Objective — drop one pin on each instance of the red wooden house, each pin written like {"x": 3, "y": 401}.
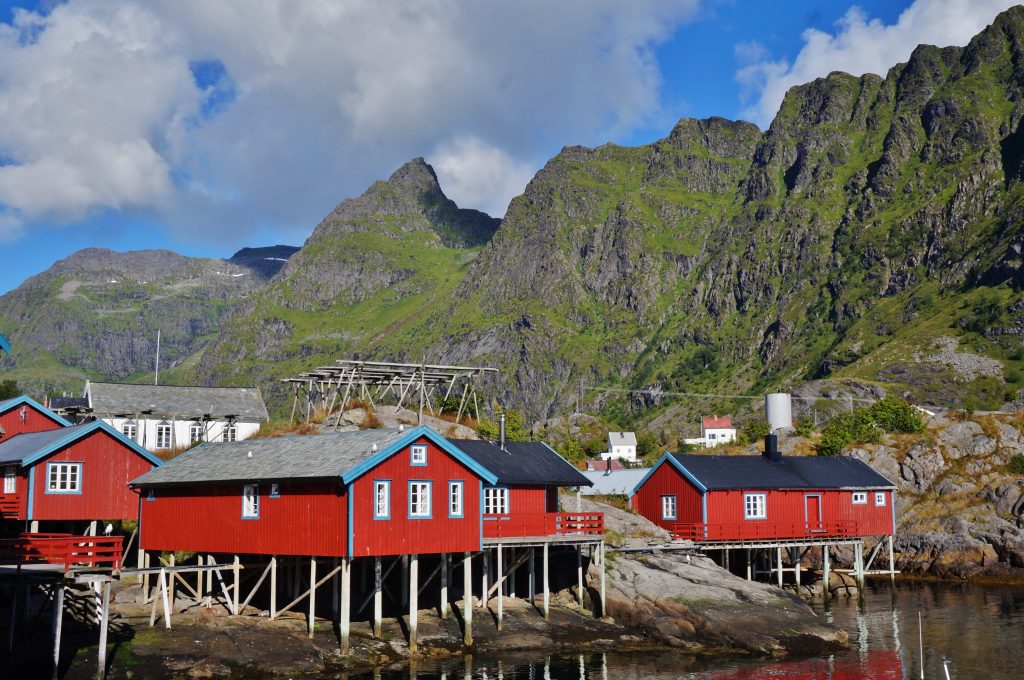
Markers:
{"x": 25, "y": 414}
{"x": 70, "y": 474}
{"x": 769, "y": 497}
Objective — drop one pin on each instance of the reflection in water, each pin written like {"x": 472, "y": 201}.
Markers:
{"x": 979, "y": 628}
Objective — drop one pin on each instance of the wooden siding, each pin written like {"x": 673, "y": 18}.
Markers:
{"x": 401, "y": 535}
{"x": 668, "y": 481}
{"x": 35, "y": 421}
{"x": 306, "y": 519}
{"x": 107, "y": 467}
{"x": 786, "y": 508}
{"x": 20, "y": 492}
{"x": 528, "y": 505}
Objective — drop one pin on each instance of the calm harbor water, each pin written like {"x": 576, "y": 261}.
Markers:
{"x": 979, "y": 628}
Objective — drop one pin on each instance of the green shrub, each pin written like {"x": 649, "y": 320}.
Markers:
{"x": 1017, "y": 464}
{"x": 515, "y": 427}
{"x": 1013, "y": 376}
{"x": 847, "y": 428}
{"x": 754, "y": 431}
{"x": 804, "y": 427}
{"x": 896, "y": 415}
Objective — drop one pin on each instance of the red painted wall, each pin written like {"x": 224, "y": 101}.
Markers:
{"x": 400, "y": 535}
{"x": 21, "y": 488}
{"x": 35, "y": 421}
{"x": 667, "y": 481}
{"x": 107, "y": 467}
{"x": 306, "y": 519}
{"x": 787, "y": 508}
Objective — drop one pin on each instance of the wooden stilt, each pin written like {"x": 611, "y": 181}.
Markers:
{"x": 444, "y": 585}
{"x": 485, "y": 572}
{"x": 405, "y": 580}
{"x": 200, "y": 578}
{"x": 170, "y": 585}
{"x": 209, "y": 581}
{"x": 335, "y": 595}
{"x": 796, "y": 568}
{"x": 58, "y": 619}
{"x": 467, "y": 598}
{"x": 512, "y": 573}
{"x": 892, "y": 561}
{"x": 273, "y": 587}
{"x": 144, "y": 562}
{"x": 101, "y": 672}
{"x": 238, "y": 579}
{"x": 414, "y": 595}
{"x": 858, "y": 553}
{"x": 827, "y": 592}
{"x": 312, "y": 595}
{"x": 750, "y": 565}
{"x": 346, "y": 598}
{"x": 163, "y": 597}
{"x": 501, "y": 588}
{"x": 547, "y": 593}
{"x": 378, "y": 600}
{"x": 579, "y": 575}
{"x": 778, "y": 566}
{"x": 531, "y": 577}
{"x": 600, "y": 572}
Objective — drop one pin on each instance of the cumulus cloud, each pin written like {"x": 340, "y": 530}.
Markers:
{"x": 245, "y": 113}
{"x": 859, "y": 45}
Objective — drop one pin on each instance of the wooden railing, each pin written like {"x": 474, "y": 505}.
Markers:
{"x": 543, "y": 524}
{"x": 10, "y": 506}
{"x": 65, "y": 549}
{"x": 761, "y": 530}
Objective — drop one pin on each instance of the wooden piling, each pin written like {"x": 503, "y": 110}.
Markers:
{"x": 378, "y": 602}
{"x": 58, "y": 619}
{"x": 501, "y": 588}
{"x": 467, "y": 598}
{"x": 104, "y": 625}
{"x": 344, "y": 615}
{"x": 444, "y": 585}
{"x": 273, "y": 587}
{"x": 414, "y": 594}
{"x": 547, "y": 593}
{"x": 312, "y": 596}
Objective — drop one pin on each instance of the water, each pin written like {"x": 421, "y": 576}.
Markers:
{"x": 980, "y": 628}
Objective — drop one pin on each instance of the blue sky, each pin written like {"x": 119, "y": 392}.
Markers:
{"x": 202, "y": 128}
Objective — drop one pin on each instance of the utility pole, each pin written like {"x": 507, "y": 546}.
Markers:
{"x": 156, "y": 377}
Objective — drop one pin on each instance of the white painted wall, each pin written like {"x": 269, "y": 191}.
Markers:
{"x": 145, "y": 434}
{"x": 623, "y": 452}
{"x": 716, "y": 436}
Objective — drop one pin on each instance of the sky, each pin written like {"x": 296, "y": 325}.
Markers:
{"x": 204, "y": 127}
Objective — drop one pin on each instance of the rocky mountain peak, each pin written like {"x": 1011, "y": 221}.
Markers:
{"x": 416, "y": 173}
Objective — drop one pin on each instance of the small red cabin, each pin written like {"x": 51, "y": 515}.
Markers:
{"x": 358, "y": 494}
{"x": 711, "y": 499}
{"x": 71, "y": 474}
{"x": 25, "y": 414}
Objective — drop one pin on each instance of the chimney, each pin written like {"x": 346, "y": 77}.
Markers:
{"x": 501, "y": 431}
{"x": 608, "y": 469}
{"x": 771, "y": 448}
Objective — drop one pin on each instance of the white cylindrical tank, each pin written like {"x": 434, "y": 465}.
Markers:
{"x": 778, "y": 410}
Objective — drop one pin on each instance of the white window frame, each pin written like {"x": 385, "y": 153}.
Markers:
{"x": 164, "y": 428}
{"x": 666, "y": 501}
{"x": 860, "y": 498}
{"x": 10, "y": 479}
{"x": 250, "y": 501}
{"x": 195, "y": 433}
{"x": 880, "y": 499}
{"x": 130, "y": 429}
{"x": 755, "y": 506}
{"x": 382, "y": 499}
{"x": 64, "y": 478}
{"x": 418, "y": 454}
{"x": 496, "y": 500}
{"x": 420, "y": 499}
{"x": 456, "y": 499}
{"x": 230, "y": 433}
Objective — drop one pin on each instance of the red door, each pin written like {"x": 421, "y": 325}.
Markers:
{"x": 812, "y": 512}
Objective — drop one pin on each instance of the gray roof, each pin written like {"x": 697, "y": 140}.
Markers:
{"x": 173, "y": 401}
{"x": 313, "y": 456}
{"x": 616, "y": 482}
{"x": 20, "y": 446}
{"x": 622, "y": 438}
{"x": 522, "y": 462}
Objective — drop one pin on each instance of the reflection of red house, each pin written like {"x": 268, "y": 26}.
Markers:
{"x": 732, "y": 498}
{"x": 877, "y": 665}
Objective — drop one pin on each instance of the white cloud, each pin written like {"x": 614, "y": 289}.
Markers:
{"x": 319, "y": 98}
{"x": 859, "y": 45}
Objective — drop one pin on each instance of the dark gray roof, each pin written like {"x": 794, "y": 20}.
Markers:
{"x": 20, "y": 446}
{"x": 173, "y": 401}
{"x": 522, "y": 463}
{"x": 63, "y": 403}
{"x": 313, "y": 456}
{"x": 792, "y": 472}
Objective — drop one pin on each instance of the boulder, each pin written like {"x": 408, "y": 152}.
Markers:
{"x": 922, "y": 465}
{"x": 966, "y": 438}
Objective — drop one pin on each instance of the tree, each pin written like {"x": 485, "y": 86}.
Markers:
{"x": 515, "y": 427}
{"x": 9, "y": 389}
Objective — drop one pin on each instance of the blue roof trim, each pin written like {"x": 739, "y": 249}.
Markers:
{"x": 87, "y": 430}
{"x": 6, "y": 406}
{"x": 5, "y": 344}
{"x": 414, "y": 434}
{"x": 678, "y": 466}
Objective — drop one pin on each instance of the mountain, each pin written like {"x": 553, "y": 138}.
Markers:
{"x": 95, "y": 314}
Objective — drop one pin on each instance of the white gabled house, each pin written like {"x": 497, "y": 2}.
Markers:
{"x": 621, "y": 445}
{"x": 713, "y": 432}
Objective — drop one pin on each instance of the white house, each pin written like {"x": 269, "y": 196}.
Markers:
{"x": 173, "y": 417}
{"x": 621, "y": 445}
{"x": 714, "y": 431}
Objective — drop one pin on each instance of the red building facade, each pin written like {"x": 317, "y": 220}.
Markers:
{"x": 24, "y": 414}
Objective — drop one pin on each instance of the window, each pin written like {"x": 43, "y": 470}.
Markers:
{"x": 275, "y": 491}
{"x": 418, "y": 454}
{"x": 495, "y": 501}
{"x": 860, "y": 497}
{"x": 419, "y": 500}
{"x": 230, "y": 432}
{"x": 250, "y": 502}
{"x": 879, "y": 498}
{"x": 455, "y": 499}
{"x": 64, "y": 478}
{"x": 754, "y": 506}
{"x": 163, "y": 436}
{"x": 712, "y": 436}
{"x": 130, "y": 429}
{"x": 195, "y": 433}
{"x": 10, "y": 480}
{"x": 382, "y": 499}
{"x": 668, "y": 507}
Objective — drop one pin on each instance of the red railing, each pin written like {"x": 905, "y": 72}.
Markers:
{"x": 543, "y": 524}
{"x": 760, "y": 530}
{"x": 10, "y": 506}
{"x": 65, "y": 549}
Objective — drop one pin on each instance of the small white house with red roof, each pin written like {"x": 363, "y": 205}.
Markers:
{"x": 714, "y": 431}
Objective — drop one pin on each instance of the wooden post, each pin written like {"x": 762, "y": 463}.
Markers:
{"x": 827, "y": 592}
{"x": 778, "y": 565}
{"x": 601, "y": 574}
{"x": 859, "y": 556}
{"x": 579, "y": 575}
{"x": 501, "y": 588}
{"x": 444, "y": 585}
{"x": 484, "y": 572}
{"x": 531, "y": 577}
{"x": 547, "y": 595}
{"x": 163, "y": 597}
{"x": 414, "y": 595}
{"x": 104, "y": 624}
{"x": 796, "y": 568}
{"x": 312, "y": 594}
{"x": 467, "y": 597}
{"x": 335, "y": 595}
{"x": 209, "y": 580}
{"x": 346, "y": 596}
{"x": 750, "y": 565}
{"x": 238, "y": 579}
{"x": 405, "y": 580}
{"x": 512, "y": 573}
{"x": 58, "y": 619}
{"x": 892, "y": 562}
{"x": 273, "y": 587}
{"x": 170, "y": 585}
{"x": 378, "y": 603}
{"x": 200, "y": 579}
{"x": 92, "y": 529}
{"x": 144, "y": 563}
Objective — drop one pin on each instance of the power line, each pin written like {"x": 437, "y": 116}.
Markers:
{"x": 717, "y": 396}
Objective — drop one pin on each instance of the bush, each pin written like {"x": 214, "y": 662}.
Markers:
{"x": 754, "y": 431}
{"x": 896, "y": 415}
{"x": 1017, "y": 464}
{"x": 515, "y": 427}
{"x": 804, "y": 427}
{"x": 847, "y": 428}
{"x": 571, "y": 450}
{"x": 9, "y": 389}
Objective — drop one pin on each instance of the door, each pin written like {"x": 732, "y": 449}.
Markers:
{"x": 812, "y": 513}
